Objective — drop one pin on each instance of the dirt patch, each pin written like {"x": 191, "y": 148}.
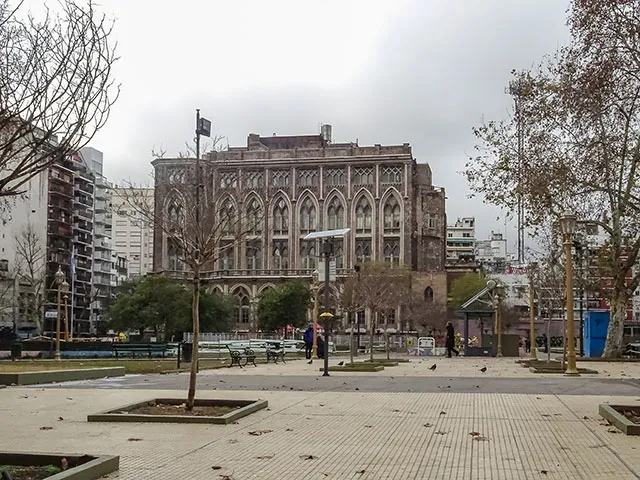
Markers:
{"x": 153, "y": 408}
{"x": 30, "y": 473}
{"x": 630, "y": 413}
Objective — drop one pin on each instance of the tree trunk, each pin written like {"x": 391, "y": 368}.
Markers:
{"x": 350, "y": 337}
{"x": 373, "y": 327}
{"x": 195, "y": 313}
{"x": 613, "y": 347}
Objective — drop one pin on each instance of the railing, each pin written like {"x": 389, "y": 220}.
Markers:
{"x": 217, "y": 274}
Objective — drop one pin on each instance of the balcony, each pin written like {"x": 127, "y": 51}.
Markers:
{"x": 84, "y": 226}
{"x": 83, "y": 264}
{"x": 83, "y": 239}
{"x": 60, "y": 230}
{"x": 84, "y": 213}
{"x": 101, "y": 206}
{"x": 64, "y": 190}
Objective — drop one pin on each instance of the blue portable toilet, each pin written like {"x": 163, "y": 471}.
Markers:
{"x": 596, "y": 324}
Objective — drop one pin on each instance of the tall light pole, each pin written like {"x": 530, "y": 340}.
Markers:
{"x": 316, "y": 312}
{"x": 533, "y": 355}
{"x": 568, "y": 226}
{"x": 497, "y": 292}
{"x": 63, "y": 287}
{"x": 500, "y": 293}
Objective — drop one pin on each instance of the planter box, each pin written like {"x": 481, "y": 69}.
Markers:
{"x": 360, "y": 367}
{"x": 81, "y": 467}
{"x": 558, "y": 370}
{"x": 56, "y": 376}
{"x": 246, "y": 407}
{"x": 384, "y": 363}
{"x": 391, "y": 360}
{"x": 622, "y": 423}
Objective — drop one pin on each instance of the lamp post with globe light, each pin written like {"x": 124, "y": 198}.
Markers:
{"x": 568, "y": 225}
{"x": 63, "y": 287}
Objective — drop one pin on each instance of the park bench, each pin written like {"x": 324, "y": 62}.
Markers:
{"x": 274, "y": 353}
{"x": 633, "y": 349}
{"x": 238, "y": 354}
{"x": 141, "y": 348}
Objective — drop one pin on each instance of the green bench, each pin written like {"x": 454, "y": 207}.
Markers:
{"x": 144, "y": 349}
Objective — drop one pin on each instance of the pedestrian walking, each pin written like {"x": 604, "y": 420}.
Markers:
{"x": 320, "y": 347}
{"x": 308, "y": 341}
{"x": 450, "y": 341}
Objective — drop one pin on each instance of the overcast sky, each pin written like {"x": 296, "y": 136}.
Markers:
{"x": 388, "y": 72}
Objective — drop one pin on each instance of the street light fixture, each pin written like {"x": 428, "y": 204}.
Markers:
{"x": 497, "y": 292}
{"x": 60, "y": 282}
{"x": 568, "y": 225}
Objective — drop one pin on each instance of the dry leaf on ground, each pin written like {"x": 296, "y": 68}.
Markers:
{"x": 307, "y": 457}
{"x": 46, "y": 428}
{"x": 257, "y": 433}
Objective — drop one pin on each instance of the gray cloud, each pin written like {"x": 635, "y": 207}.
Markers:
{"x": 437, "y": 68}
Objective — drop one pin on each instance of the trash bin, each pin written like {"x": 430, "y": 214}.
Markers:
{"x": 187, "y": 352}
{"x": 16, "y": 350}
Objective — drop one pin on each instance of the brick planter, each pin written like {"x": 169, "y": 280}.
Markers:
{"x": 246, "y": 407}
{"x": 81, "y": 467}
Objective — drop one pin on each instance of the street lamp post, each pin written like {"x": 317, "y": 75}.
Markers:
{"x": 316, "y": 312}
{"x": 497, "y": 292}
{"x": 532, "y": 316}
{"x": 500, "y": 292}
{"x": 62, "y": 284}
{"x": 568, "y": 225}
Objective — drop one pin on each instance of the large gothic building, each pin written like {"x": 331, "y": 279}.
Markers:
{"x": 302, "y": 184}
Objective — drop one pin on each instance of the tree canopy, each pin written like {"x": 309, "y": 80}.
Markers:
{"x": 287, "y": 304}
{"x": 465, "y": 287}
{"x": 164, "y": 305}
{"x": 574, "y": 142}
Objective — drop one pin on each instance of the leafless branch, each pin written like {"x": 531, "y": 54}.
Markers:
{"x": 56, "y": 86}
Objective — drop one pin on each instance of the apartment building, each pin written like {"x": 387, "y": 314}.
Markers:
{"x": 132, "y": 235}
{"x": 461, "y": 238}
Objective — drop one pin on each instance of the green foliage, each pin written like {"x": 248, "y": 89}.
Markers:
{"x": 287, "y": 304}
{"x": 465, "y": 287}
{"x": 164, "y": 305}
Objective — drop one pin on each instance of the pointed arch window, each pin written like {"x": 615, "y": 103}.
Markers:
{"x": 280, "y": 256}
{"x": 363, "y": 215}
{"x": 392, "y": 253}
{"x": 227, "y": 218}
{"x": 174, "y": 213}
{"x": 308, "y": 255}
{"x": 227, "y": 257}
{"x": 335, "y": 214}
{"x": 307, "y": 216}
{"x": 281, "y": 218}
{"x": 339, "y": 253}
{"x": 243, "y": 307}
{"x": 363, "y": 251}
{"x": 428, "y": 295}
{"x": 391, "y": 215}
{"x": 254, "y": 224}
{"x": 174, "y": 253}
{"x": 254, "y": 256}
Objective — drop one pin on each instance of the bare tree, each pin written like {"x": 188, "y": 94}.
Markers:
{"x": 22, "y": 291}
{"x": 56, "y": 86}
{"x": 197, "y": 232}
{"x": 381, "y": 288}
{"x": 579, "y": 121}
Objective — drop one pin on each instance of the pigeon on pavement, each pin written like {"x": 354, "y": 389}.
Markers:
{"x": 483, "y": 369}
{"x": 341, "y": 363}
{"x": 310, "y": 362}
{"x": 433, "y": 367}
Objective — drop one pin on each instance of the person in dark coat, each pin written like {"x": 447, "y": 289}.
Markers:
{"x": 320, "y": 346}
{"x": 450, "y": 340}
{"x": 308, "y": 342}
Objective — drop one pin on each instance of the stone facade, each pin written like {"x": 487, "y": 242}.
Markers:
{"x": 302, "y": 184}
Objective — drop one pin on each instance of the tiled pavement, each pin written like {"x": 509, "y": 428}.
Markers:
{"x": 383, "y": 435}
